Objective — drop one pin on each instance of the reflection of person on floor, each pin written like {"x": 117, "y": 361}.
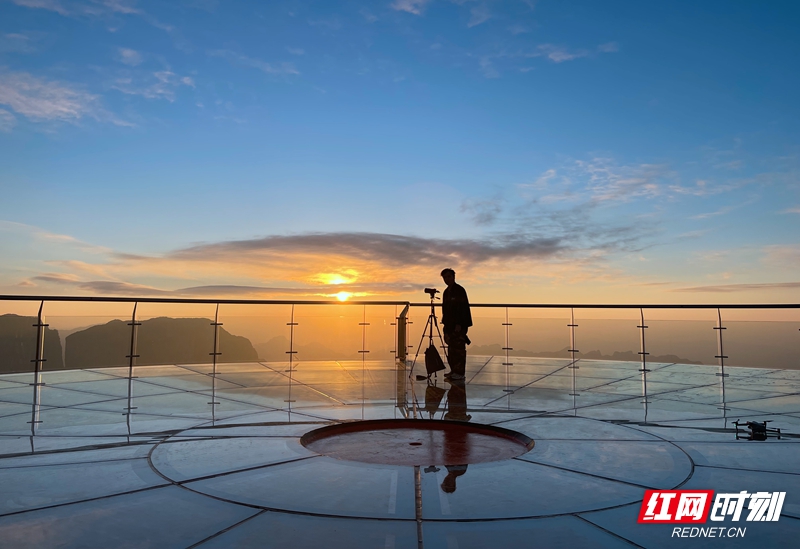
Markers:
{"x": 453, "y": 471}
{"x": 456, "y": 441}
{"x": 456, "y": 320}
{"x": 457, "y": 401}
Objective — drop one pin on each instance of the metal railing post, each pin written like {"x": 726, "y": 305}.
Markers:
{"x": 363, "y": 353}
{"x": 643, "y": 353}
{"x": 132, "y": 356}
{"x": 401, "y": 346}
{"x": 572, "y": 350}
{"x": 507, "y": 363}
{"x": 402, "y": 334}
{"x": 214, "y": 354}
{"x": 721, "y": 356}
{"x": 37, "y": 370}
{"x": 291, "y": 352}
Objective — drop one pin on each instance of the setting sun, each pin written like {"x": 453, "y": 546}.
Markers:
{"x": 342, "y": 296}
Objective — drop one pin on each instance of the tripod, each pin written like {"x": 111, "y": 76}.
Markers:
{"x": 429, "y": 327}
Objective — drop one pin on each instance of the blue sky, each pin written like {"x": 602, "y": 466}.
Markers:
{"x": 549, "y": 151}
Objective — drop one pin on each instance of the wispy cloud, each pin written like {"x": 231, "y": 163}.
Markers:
{"x": 483, "y": 212}
{"x": 156, "y": 85}
{"x": 487, "y": 67}
{"x": 106, "y": 10}
{"x": 729, "y": 288}
{"x": 87, "y": 8}
{"x": 368, "y": 16}
{"x": 609, "y": 181}
{"x": 50, "y": 5}
{"x": 478, "y": 15}
{"x": 296, "y": 51}
{"x": 19, "y": 42}
{"x": 42, "y": 100}
{"x": 411, "y": 6}
{"x": 558, "y": 54}
{"x": 725, "y": 209}
{"x": 795, "y": 210}
{"x": 722, "y": 211}
{"x": 608, "y": 47}
{"x": 41, "y": 234}
{"x": 129, "y": 56}
{"x": 263, "y": 66}
{"x": 7, "y": 121}
{"x": 386, "y": 249}
{"x": 782, "y": 256}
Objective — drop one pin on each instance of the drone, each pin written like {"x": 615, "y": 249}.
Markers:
{"x": 756, "y": 430}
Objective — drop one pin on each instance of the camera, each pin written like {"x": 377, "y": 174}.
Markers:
{"x": 431, "y": 291}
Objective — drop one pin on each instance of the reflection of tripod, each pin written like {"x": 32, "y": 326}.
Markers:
{"x": 429, "y": 326}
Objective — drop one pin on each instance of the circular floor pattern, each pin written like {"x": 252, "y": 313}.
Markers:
{"x": 417, "y": 442}
{"x": 267, "y": 466}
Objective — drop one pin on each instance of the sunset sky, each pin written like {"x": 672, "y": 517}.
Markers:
{"x": 548, "y": 151}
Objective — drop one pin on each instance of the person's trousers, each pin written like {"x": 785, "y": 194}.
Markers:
{"x": 456, "y": 351}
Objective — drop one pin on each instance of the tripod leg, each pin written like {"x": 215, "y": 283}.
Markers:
{"x": 439, "y": 332}
{"x": 421, "y": 339}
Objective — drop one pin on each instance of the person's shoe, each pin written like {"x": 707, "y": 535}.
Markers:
{"x": 455, "y": 377}
{"x": 447, "y": 375}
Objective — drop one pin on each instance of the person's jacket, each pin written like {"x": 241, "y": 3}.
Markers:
{"x": 455, "y": 308}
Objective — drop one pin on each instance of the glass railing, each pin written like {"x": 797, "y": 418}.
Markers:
{"x": 82, "y": 360}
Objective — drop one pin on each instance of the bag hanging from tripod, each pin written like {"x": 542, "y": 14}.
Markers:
{"x": 433, "y": 361}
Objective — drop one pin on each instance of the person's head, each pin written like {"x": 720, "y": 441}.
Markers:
{"x": 449, "y": 276}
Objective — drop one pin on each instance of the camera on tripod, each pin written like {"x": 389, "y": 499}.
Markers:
{"x": 431, "y": 291}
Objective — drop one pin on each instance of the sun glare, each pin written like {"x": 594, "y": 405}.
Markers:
{"x": 342, "y": 296}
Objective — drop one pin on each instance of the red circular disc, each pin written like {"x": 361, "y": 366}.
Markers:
{"x": 417, "y": 442}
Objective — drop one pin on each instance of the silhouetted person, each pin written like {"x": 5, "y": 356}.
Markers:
{"x": 456, "y": 320}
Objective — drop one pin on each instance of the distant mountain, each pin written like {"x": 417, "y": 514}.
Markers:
{"x": 275, "y": 349}
{"x": 18, "y": 345}
{"x": 626, "y": 356}
{"x": 159, "y": 341}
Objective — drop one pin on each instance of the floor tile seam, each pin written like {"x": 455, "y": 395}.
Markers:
{"x": 228, "y": 529}
{"x": 88, "y": 448}
{"x": 748, "y": 470}
{"x": 235, "y": 471}
{"x": 479, "y": 370}
{"x": 634, "y": 484}
{"x": 25, "y": 413}
{"x": 602, "y": 440}
{"x": 303, "y": 384}
{"x": 85, "y": 500}
{"x": 180, "y": 390}
{"x": 208, "y": 374}
{"x": 69, "y": 463}
{"x": 345, "y": 370}
{"x": 202, "y": 393}
{"x": 50, "y": 407}
{"x": 265, "y": 424}
{"x": 621, "y": 400}
{"x": 611, "y": 532}
{"x": 765, "y": 398}
{"x": 532, "y": 382}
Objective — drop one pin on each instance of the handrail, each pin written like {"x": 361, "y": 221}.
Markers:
{"x": 112, "y": 299}
{"x": 107, "y": 299}
{"x": 623, "y": 306}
